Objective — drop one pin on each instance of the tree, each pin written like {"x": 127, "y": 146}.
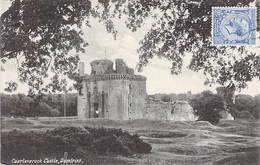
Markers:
{"x": 166, "y": 98}
{"x": 71, "y": 104}
{"x": 206, "y": 106}
{"x": 186, "y": 30}
{"x": 24, "y": 106}
{"x": 8, "y": 105}
{"x": 41, "y": 33}
{"x": 183, "y": 96}
{"x": 44, "y": 109}
{"x": 245, "y": 105}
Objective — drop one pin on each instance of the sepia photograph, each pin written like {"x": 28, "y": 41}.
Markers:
{"x": 130, "y": 82}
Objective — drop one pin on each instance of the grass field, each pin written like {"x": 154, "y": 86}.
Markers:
{"x": 199, "y": 143}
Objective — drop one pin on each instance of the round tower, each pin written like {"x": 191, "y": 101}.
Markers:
{"x": 227, "y": 94}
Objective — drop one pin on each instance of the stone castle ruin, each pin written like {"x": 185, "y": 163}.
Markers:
{"x": 228, "y": 95}
{"x": 120, "y": 94}
{"x": 111, "y": 94}
{"x": 177, "y": 110}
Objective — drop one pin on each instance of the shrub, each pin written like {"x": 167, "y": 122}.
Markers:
{"x": 143, "y": 147}
{"x": 132, "y": 142}
{"x": 111, "y": 144}
{"x": 77, "y": 142}
{"x": 19, "y": 145}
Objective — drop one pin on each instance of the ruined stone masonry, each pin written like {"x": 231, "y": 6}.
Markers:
{"x": 176, "y": 110}
{"x": 111, "y": 94}
{"x": 228, "y": 95}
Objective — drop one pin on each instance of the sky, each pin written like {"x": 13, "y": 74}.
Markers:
{"x": 159, "y": 79}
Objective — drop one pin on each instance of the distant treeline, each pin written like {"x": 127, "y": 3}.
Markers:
{"x": 246, "y": 106}
{"x": 21, "y": 105}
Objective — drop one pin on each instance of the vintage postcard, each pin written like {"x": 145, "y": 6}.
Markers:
{"x": 123, "y": 82}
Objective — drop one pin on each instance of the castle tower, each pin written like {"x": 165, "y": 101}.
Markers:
{"x": 227, "y": 94}
{"x": 112, "y": 94}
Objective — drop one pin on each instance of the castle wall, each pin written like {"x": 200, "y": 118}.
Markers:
{"x": 182, "y": 111}
{"x": 158, "y": 110}
{"x": 122, "y": 99}
{"x": 117, "y": 99}
{"x": 137, "y": 99}
{"x": 82, "y": 102}
{"x": 176, "y": 111}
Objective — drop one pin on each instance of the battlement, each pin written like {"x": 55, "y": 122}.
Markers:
{"x": 105, "y": 67}
{"x": 106, "y": 77}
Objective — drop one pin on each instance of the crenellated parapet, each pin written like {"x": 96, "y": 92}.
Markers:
{"x": 101, "y": 67}
{"x": 106, "y": 77}
{"x": 102, "y": 70}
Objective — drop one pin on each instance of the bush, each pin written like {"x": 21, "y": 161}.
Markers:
{"x": 111, "y": 144}
{"x": 19, "y": 145}
{"x": 143, "y": 147}
{"x": 77, "y": 142}
{"x": 207, "y": 106}
{"x": 132, "y": 142}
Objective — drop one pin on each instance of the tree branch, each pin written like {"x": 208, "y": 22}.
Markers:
{"x": 8, "y": 54}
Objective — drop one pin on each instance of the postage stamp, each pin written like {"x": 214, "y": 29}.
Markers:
{"x": 233, "y": 26}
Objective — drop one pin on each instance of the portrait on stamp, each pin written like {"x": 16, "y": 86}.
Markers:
{"x": 234, "y": 26}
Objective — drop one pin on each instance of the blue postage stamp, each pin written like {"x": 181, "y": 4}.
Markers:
{"x": 233, "y": 26}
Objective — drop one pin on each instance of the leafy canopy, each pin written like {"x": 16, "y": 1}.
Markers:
{"x": 41, "y": 34}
